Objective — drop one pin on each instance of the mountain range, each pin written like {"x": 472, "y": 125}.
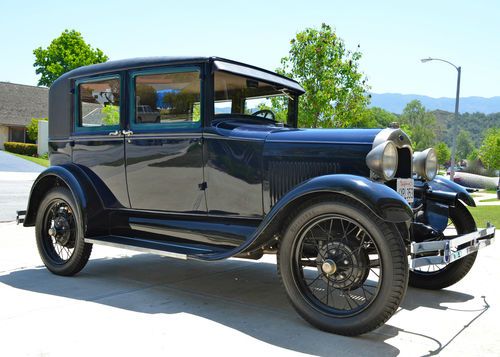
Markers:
{"x": 395, "y": 103}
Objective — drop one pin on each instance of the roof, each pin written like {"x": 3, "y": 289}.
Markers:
{"x": 19, "y": 103}
{"x": 221, "y": 63}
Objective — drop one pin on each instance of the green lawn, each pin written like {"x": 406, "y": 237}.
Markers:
{"x": 494, "y": 199}
{"x": 483, "y": 214}
{"x": 36, "y": 160}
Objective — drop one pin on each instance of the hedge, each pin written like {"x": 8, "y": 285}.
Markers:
{"x": 21, "y": 148}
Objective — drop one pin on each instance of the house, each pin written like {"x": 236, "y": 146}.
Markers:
{"x": 18, "y": 104}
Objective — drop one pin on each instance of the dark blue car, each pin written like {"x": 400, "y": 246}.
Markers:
{"x": 222, "y": 171}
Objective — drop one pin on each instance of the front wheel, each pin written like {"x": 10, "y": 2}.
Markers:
{"x": 59, "y": 235}
{"x": 440, "y": 276}
{"x": 344, "y": 269}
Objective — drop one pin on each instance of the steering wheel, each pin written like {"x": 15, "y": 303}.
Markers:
{"x": 265, "y": 113}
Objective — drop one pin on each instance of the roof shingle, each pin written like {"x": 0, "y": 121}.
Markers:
{"x": 19, "y": 103}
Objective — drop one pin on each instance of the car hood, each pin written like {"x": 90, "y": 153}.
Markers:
{"x": 338, "y": 136}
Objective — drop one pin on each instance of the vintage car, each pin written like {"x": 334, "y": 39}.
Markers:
{"x": 353, "y": 215}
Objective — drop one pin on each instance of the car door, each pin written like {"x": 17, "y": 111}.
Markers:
{"x": 164, "y": 162}
{"x": 98, "y": 143}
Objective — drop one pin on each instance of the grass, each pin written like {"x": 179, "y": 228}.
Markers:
{"x": 494, "y": 199}
{"x": 36, "y": 160}
{"x": 483, "y": 214}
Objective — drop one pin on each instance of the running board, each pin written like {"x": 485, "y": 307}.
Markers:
{"x": 166, "y": 249}
{"x": 447, "y": 251}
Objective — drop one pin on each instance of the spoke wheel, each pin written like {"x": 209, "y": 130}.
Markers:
{"x": 59, "y": 235}
{"x": 336, "y": 264}
{"x": 343, "y": 268}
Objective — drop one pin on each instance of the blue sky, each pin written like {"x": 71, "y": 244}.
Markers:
{"x": 393, "y": 35}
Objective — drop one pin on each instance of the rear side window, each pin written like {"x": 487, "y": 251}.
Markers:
{"x": 170, "y": 99}
{"x": 99, "y": 104}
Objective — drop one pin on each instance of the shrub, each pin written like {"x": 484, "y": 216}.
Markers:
{"x": 21, "y": 148}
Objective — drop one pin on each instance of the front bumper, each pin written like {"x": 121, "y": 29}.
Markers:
{"x": 449, "y": 250}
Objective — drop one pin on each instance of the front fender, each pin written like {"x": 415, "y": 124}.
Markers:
{"x": 441, "y": 183}
{"x": 379, "y": 198}
{"x": 89, "y": 205}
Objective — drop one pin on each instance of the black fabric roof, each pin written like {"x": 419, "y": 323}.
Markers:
{"x": 125, "y": 64}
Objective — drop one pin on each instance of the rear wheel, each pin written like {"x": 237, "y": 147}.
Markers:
{"x": 59, "y": 235}
{"x": 440, "y": 276}
{"x": 344, "y": 269}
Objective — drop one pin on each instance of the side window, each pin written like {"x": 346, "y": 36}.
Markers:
{"x": 172, "y": 99}
{"x": 99, "y": 104}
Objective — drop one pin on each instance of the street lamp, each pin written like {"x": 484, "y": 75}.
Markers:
{"x": 455, "y": 124}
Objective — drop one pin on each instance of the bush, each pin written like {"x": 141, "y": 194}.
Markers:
{"x": 21, "y": 148}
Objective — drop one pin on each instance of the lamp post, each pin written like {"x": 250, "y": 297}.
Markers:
{"x": 455, "y": 123}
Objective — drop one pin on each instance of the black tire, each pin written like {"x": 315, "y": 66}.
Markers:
{"x": 64, "y": 252}
{"x": 451, "y": 273}
{"x": 374, "y": 310}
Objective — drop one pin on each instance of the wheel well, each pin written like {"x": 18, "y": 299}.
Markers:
{"x": 38, "y": 193}
{"x": 286, "y": 215}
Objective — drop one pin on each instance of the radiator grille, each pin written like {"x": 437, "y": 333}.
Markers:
{"x": 284, "y": 175}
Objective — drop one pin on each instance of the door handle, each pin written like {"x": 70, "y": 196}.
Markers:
{"x": 115, "y": 133}
{"x": 127, "y": 132}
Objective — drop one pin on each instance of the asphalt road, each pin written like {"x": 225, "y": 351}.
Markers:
{"x": 142, "y": 305}
{"x": 16, "y": 178}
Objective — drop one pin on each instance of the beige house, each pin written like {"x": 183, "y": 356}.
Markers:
{"x": 18, "y": 104}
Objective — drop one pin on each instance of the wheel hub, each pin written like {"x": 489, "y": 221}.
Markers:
{"x": 60, "y": 228}
{"x": 343, "y": 264}
{"x": 329, "y": 267}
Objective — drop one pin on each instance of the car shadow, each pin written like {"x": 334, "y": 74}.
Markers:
{"x": 242, "y": 295}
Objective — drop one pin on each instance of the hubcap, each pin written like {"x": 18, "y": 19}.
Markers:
{"x": 329, "y": 267}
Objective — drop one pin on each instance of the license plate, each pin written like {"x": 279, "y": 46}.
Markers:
{"x": 405, "y": 188}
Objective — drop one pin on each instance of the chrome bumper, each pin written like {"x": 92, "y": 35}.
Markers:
{"x": 20, "y": 216}
{"x": 447, "y": 251}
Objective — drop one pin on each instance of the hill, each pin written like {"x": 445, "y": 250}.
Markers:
{"x": 395, "y": 103}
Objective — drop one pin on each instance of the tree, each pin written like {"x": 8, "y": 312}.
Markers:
{"x": 442, "y": 153}
{"x": 64, "y": 53}
{"x": 335, "y": 88}
{"x": 419, "y": 124}
{"x": 32, "y": 129}
{"x": 464, "y": 144}
{"x": 490, "y": 149}
{"x": 381, "y": 118}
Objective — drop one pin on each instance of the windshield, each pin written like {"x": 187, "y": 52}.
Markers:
{"x": 246, "y": 96}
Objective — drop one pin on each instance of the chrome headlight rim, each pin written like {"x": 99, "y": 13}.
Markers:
{"x": 425, "y": 164}
{"x": 379, "y": 157}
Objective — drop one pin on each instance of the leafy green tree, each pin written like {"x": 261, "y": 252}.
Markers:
{"x": 442, "y": 153}
{"x": 335, "y": 88}
{"x": 489, "y": 152}
{"x": 111, "y": 115}
{"x": 32, "y": 129}
{"x": 465, "y": 145}
{"x": 381, "y": 118}
{"x": 66, "y": 52}
{"x": 419, "y": 124}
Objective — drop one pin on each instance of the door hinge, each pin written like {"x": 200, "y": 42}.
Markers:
{"x": 203, "y": 186}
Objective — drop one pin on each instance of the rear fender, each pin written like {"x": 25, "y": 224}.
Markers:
{"x": 89, "y": 205}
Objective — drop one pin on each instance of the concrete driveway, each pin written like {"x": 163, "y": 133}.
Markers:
{"x": 125, "y": 304}
{"x": 16, "y": 177}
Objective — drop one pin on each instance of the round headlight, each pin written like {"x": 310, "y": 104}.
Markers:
{"x": 425, "y": 164}
{"x": 390, "y": 161}
{"x": 431, "y": 165}
{"x": 383, "y": 160}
